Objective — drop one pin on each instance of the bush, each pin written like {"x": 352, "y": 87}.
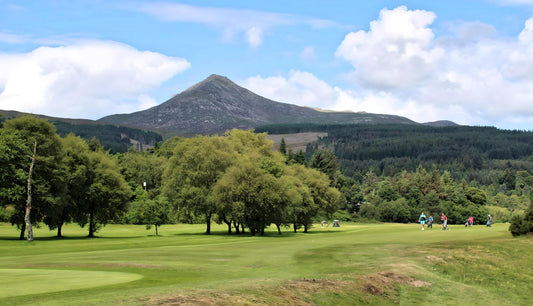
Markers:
{"x": 522, "y": 225}
{"x": 5, "y": 214}
{"x": 367, "y": 211}
{"x": 394, "y": 211}
{"x": 342, "y": 215}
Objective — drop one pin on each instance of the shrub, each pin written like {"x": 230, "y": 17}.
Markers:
{"x": 522, "y": 225}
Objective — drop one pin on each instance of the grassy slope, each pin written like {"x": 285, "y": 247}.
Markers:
{"x": 353, "y": 264}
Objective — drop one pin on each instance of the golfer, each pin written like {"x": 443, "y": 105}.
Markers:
{"x": 422, "y": 220}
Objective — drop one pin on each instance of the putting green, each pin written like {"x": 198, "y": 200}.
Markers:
{"x": 15, "y": 282}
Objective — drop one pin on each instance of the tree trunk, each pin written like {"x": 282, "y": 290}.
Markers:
{"x": 61, "y": 222}
{"x": 59, "y": 227}
{"x": 91, "y": 221}
{"x": 294, "y": 227}
{"x": 208, "y": 221}
{"x": 279, "y": 229}
{"x": 27, "y": 219}
{"x": 305, "y": 228}
{"x": 228, "y": 223}
{"x": 237, "y": 228}
{"x": 156, "y": 230}
{"x": 22, "y": 231}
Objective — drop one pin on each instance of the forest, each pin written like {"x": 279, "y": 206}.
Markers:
{"x": 410, "y": 168}
{"x": 384, "y": 173}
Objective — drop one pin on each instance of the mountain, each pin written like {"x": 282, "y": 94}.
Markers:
{"x": 217, "y": 104}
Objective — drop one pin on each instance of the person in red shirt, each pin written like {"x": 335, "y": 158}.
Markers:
{"x": 444, "y": 220}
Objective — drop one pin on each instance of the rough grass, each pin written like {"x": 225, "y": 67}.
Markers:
{"x": 353, "y": 264}
{"x": 296, "y": 141}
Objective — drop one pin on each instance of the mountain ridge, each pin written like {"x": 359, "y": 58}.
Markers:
{"x": 217, "y": 104}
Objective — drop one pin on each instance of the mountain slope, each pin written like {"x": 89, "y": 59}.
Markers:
{"x": 117, "y": 139}
{"x": 217, "y": 104}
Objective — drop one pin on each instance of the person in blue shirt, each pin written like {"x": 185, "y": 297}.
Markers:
{"x": 430, "y": 221}
{"x": 422, "y": 220}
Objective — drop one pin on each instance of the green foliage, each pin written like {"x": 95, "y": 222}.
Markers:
{"x": 75, "y": 174}
{"x": 106, "y": 192}
{"x": 283, "y": 147}
{"x": 144, "y": 210}
{"x": 5, "y": 214}
{"x": 522, "y": 224}
{"x": 195, "y": 166}
{"x": 142, "y": 169}
{"x": 471, "y": 153}
{"x": 395, "y": 211}
{"x": 325, "y": 161}
{"x": 47, "y": 187}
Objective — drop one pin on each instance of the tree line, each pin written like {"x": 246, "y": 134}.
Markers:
{"x": 236, "y": 179}
{"x": 392, "y": 172}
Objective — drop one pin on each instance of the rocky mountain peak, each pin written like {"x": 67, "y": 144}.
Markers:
{"x": 217, "y": 104}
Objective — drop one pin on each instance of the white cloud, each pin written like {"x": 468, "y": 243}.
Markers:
{"x": 300, "y": 88}
{"x": 251, "y": 23}
{"x": 305, "y": 89}
{"x": 482, "y": 77}
{"x": 397, "y": 52}
{"x": 474, "y": 77}
{"x": 87, "y": 79}
{"x": 254, "y": 36}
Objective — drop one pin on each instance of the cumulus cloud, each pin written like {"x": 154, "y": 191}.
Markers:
{"x": 471, "y": 77}
{"x": 397, "y": 52}
{"x": 87, "y": 79}
{"x": 250, "y": 23}
{"x": 484, "y": 77}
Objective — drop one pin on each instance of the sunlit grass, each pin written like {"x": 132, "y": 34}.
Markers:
{"x": 353, "y": 264}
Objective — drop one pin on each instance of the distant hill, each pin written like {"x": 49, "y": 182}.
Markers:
{"x": 111, "y": 137}
{"x": 217, "y": 104}
{"x": 440, "y": 123}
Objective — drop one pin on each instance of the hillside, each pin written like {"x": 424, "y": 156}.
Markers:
{"x": 111, "y": 137}
{"x": 217, "y": 104}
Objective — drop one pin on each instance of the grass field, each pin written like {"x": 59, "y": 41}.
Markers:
{"x": 351, "y": 265}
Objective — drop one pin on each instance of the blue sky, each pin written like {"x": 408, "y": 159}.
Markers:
{"x": 466, "y": 61}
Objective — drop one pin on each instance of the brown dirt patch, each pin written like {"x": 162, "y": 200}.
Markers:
{"x": 371, "y": 289}
{"x": 204, "y": 299}
{"x": 378, "y": 283}
{"x": 316, "y": 285}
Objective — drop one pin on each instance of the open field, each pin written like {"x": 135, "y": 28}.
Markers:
{"x": 351, "y": 265}
{"x": 296, "y": 141}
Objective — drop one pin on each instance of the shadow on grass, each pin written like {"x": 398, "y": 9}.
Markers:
{"x": 49, "y": 238}
{"x": 269, "y": 234}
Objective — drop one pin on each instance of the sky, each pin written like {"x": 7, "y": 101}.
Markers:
{"x": 470, "y": 62}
